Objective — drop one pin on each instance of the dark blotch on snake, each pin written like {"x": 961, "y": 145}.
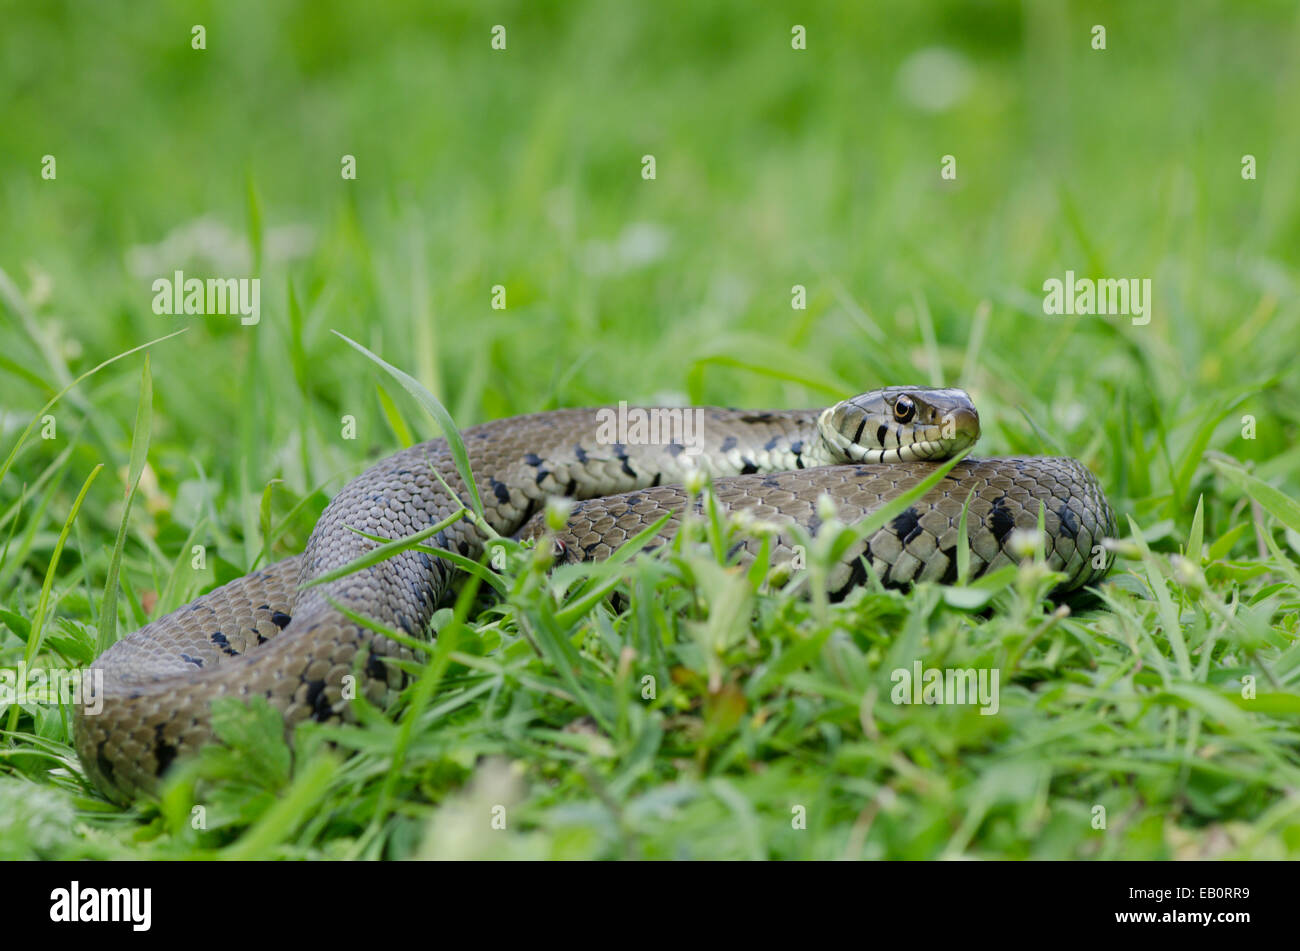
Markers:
{"x": 280, "y": 620}
{"x": 907, "y": 525}
{"x": 620, "y": 453}
{"x": 103, "y": 762}
{"x": 857, "y": 576}
{"x": 163, "y": 751}
{"x": 220, "y": 640}
{"x": 1068, "y": 523}
{"x": 1001, "y": 521}
{"x": 949, "y": 573}
{"x": 318, "y": 701}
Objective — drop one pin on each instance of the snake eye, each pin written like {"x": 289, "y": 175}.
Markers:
{"x": 904, "y": 409}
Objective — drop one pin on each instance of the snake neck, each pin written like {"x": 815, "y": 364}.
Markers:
{"x": 518, "y": 464}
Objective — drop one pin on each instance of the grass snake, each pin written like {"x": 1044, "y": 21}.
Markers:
{"x": 266, "y": 635}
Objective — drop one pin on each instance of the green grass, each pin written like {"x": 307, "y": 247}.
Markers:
{"x": 774, "y": 168}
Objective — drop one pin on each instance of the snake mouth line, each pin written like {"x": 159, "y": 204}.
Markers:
{"x": 926, "y": 450}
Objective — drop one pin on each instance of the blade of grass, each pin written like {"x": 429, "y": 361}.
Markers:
{"x": 37, "y": 634}
{"x": 140, "y": 437}
{"x": 963, "y": 542}
{"x": 4, "y": 469}
{"x": 264, "y": 520}
{"x": 302, "y": 376}
{"x": 435, "y": 409}
{"x": 289, "y": 811}
{"x": 386, "y": 550}
{"x": 394, "y": 416}
{"x": 1195, "y": 538}
{"x": 1278, "y": 504}
{"x": 1164, "y": 603}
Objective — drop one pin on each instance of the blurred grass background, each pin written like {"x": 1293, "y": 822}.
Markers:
{"x": 775, "y": 168}
{"x": 522, "y": 167}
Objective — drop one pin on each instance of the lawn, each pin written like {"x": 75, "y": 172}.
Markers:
{"x": 882, "y": 206}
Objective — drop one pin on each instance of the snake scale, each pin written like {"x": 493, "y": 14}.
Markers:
{"x": 266, "y": 635}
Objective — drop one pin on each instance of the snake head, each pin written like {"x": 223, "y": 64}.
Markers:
{"x": 901, "y": 424}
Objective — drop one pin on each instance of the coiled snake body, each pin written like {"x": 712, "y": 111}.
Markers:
{"x": 264, "y": 635}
